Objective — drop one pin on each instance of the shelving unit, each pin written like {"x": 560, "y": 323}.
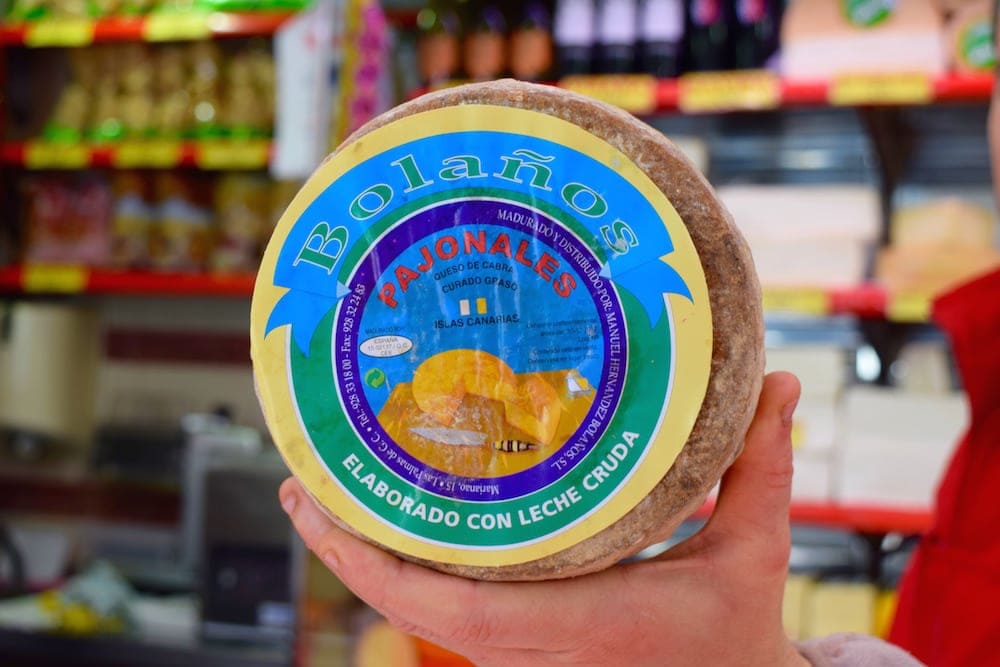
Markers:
{"x": 224, "y": 153}
{"x": 55, "y": 279}
{"x": 716, "y": 92}
{"x": 87, "y": 480}
{"x": 868, "y": 519}
{"x": 863, "y": 301}
{"x": 75, "y": 494}
{"x": 755, "y": 99}
{"x": 160, "y": 27}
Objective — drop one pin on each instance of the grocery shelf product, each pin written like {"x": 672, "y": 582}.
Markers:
{"x": 439, "y": 44}
{"x": 475, "y": 286}
{"x": 484, "y": 46}
{"x": 969, "y": 35}
{"x": 182, "y": 222}
{"x": 840, "y": 53}
{"x": 132, "y": 220}
{"x": 661, "y": 34}
{"x": 480, "y": 41}
{"x": 242, "y": 210}
{"x": 799, "y": 244}
{"x": 793, "y": 603}
{"x": 40, "y": 10}
{"x": 943, "y": 221}
{"x": 821, "y": 39}
{"x": 823, "y": 372}
{"x": 380, "y": 643}
{"x": 138, "y": 91}
{"x": 924, "y": 367}
{"x": 67, "y": 221}
{"x": 531, "y": 56}
{"x": 937, "y": 245}
{"x": 181, "y": 238}
{"x": 708, "y": 35}
{"x": 617, "y": 36}
{"x": 50, "y": 354}
{"x": 894, "y": 445}
{"x": 575, "y": 36}
{"x": 756, "y": 26}
{"x": 839, "y": 606}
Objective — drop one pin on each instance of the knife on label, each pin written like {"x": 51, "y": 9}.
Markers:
{"x": 450, "y": 436}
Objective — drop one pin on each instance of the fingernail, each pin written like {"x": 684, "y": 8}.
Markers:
{"x": 787, "y": 412}
{"x": 288, "y": 503}
{"x": 330, "y": 560}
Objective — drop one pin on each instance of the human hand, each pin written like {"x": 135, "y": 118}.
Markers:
{"x": 714, "y": 599}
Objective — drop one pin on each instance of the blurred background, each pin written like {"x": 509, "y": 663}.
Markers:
{"x": 147, "y": 148}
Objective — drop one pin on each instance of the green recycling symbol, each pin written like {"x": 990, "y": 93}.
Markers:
{"x": 375, "y": 378}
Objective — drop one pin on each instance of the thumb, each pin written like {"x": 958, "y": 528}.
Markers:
{"x": 756, "y": 490}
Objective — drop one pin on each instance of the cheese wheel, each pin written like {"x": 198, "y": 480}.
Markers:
{"x": 509, "y": 333}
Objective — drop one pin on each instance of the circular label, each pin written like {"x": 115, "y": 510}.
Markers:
{"x": 976, "y": 48}
{"x": 867, "y": 13}
{"x": 481, "y": 345}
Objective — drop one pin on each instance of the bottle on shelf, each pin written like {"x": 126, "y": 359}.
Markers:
{"x": 707, "y": 27}
{"x": 756, "y": 24}
{"x": 438, "y": 43}
{"x": 616, "y": 36}
{"x": 531, "y": 42}
{"x": 574, "y": 33}
{"x": 485, "y": 45}
{"x": 661, "y": 37}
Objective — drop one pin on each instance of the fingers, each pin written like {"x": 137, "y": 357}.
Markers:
{"x": 756, "y": 490}
{"x": 448, "y": 610}
{"x": 414, "y": 598}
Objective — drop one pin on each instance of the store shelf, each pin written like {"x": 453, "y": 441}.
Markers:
{"x": 156, "y": 154}
{"x": 53, "y": 279}
{"x": 166, "y": 27}
{"x": 861, "y": 518}
{"x": 714, "y": 92}
{"x": 865, "y": 301}
{"x": 53, "y": 492}
{"x": 402, "y": 18}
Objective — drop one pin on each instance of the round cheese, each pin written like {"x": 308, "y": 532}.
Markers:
{"x": 509, "y": 333}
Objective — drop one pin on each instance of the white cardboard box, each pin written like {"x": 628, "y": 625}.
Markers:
{"x": 813, "y": 478}
{"x": 814, "y": 429}
{"x": 822, "y": 369}
{"x": 895, "y": 444}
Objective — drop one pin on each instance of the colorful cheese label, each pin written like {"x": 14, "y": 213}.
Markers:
{"x": 480, "y": 335}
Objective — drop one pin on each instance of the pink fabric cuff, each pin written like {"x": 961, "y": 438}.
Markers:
{"x": 854, "y": 650}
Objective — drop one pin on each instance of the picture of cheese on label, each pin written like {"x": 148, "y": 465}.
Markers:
{"x": 472, "y": 415}
{"x": 535, "y": 409}
{"x": 441, "y": 382}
